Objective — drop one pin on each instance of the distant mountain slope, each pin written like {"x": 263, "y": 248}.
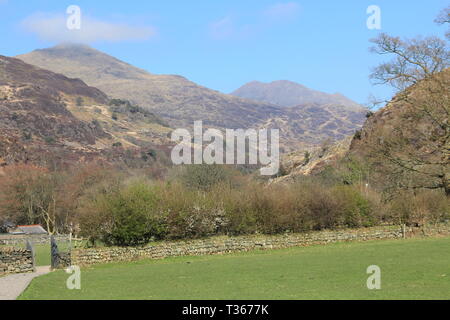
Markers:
{"x": 316, "y": 123}
{"x": 313, "y": 160}
{"x": 177, "y": 99}
{"x": 180, "y": 102}
{"x": 289, "y": 94}
{"x": 47, "y": 118}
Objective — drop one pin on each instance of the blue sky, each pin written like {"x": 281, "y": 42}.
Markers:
{"x": 223, "y": 44}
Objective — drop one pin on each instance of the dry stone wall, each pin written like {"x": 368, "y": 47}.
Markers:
{"x": 16, "y": 260}
{"x": 222, "y": 245}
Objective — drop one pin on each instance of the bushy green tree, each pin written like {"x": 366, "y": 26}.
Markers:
{"x": 128, "y": 216}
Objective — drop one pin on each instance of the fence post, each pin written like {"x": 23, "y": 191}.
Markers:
{"x": 70, "y": 237}
{"x": 404, "y": 230}
{"x": 54, "y": 253}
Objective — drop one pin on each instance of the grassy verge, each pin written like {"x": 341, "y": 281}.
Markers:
{"x": 411, "y": 269}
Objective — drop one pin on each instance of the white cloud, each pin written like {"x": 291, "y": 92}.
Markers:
{"x": 232, "y": 27}
{"x": 53, "y": 27}
{"x": 222, "y": 28}
{"x": 228, "y": 27}
{"x": 282, "y": 11}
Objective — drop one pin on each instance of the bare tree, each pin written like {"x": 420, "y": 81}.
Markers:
{"x": 414, "y": 59}
{"x": 417, "y": 147}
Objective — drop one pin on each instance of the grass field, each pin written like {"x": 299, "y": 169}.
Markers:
{"x": 410, "y": 269}
{"x": 42, "y": 253}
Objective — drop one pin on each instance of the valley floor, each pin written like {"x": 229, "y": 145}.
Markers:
{"x": 410, "y": 269}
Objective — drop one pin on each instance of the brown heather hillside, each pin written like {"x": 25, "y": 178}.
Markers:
{"x": 49, "y": 119}
{"x": 408, "y": 141}
{"x": 315, "y": 124}
{"x": 312, "y": 161}
{"x": 180, "y": 102}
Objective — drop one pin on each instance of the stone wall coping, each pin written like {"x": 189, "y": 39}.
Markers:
{"x": 13, "y": 249}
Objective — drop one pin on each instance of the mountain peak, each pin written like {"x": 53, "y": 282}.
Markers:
{"x": 274, "y": 83}
{"x": 286, "y": 93}
{"x": 287, "y": 82}
{"x": 69, "y": 49}
{"x": 83, "y": 62}
{"x": 71, "y": 45}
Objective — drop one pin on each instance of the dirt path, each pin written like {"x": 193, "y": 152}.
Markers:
{"x": 11, "y": 286}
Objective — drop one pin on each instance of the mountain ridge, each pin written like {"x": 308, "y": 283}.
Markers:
{"x": 171, "y": 96}
{"x": 180, "y": 101}
{"x": 286, "y": 93}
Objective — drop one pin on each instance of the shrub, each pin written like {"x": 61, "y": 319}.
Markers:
{"x": 321, "y": 208}
{"x": 151, "y": 153}
{"x": 79, "y": 101}
{"x": 369, "y": 114}
{"x": 219, "y": 203}
{"x": 307, "y": 158}
{"x": 420, "y": 208}
{"x": 257, "y": 210}
{"x": 191, "y": 214}
{"x": 204, "y": 176}
{"x": 49, "y": 139}
{"x": 241, "y": 218}
{"x": 355, "y": 210}
{"x": 27, "y": 135}
{"x": 126, "y": 216}
{"x": 134, "y": 220}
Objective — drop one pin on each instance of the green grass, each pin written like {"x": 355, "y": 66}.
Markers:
{"x": 411, "y": 269}
{"x": 42, "y": 254}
